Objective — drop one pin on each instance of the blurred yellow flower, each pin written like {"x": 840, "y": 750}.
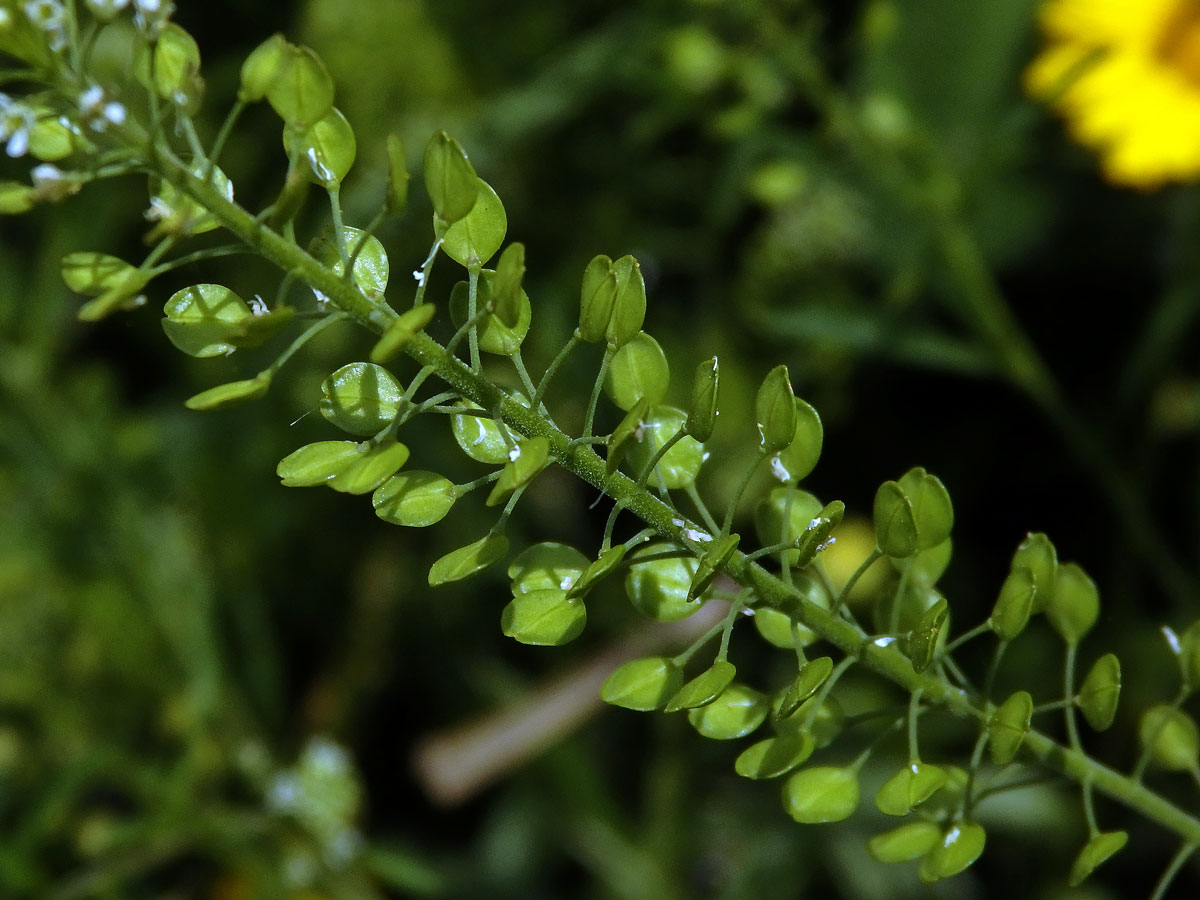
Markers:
{"x": 1126, "y": 76}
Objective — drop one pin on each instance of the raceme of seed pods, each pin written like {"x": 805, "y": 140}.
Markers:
{"x": 680, "y": 554}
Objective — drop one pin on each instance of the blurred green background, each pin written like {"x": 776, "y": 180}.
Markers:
{"x": 210, "y": 686}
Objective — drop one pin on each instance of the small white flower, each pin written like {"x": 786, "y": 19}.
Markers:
{"x": 151, "y": 15}
{"x": 51, "y": 184}
{"x": 50, "y": 17}
{"x": 114, "y": 112}
{"x": 98, "y": 111}
{"x": 16, "y": 120}
{"x": 258, "y": 306}
{"x": 159, "y": 210}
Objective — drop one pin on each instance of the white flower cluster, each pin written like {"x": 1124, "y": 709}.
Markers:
{"x": 150, "y": 16}
{"x": 51, "y": 18}
{"x": 98, "y": 111}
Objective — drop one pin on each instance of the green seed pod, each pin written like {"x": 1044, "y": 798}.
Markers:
{"x": 737, "y": 712}
{"x": 809, "y": 678}
{"x": 262, "y": 67}
{"x": 1100, "y": 692}
{"x": 397, "y": 176}
{"x": 506, "y": 285}
{"x": 371, "y": 266}
{"x": 821, "y": 794}
{"x": 547, "y": 566}
{"x": 643, "y": 684}
{"x": 1075, "y": 603}
{"x": 1010, "y": 615}
{"x": 204, "y": 320}
{"x": 327, "y": 148}
{"x": 450, "y": 178}
{"x": 906, "y": 843}
{"x": 704, "y": 688}
{"x": 474, "y": 239}
{"x": 779, "y": 628}
{"x": 596, "y": 299}
{"x": 679, "y": 466}
{"x": 1094, "y": 853}
{"x": 909, "y": 788}
{"x": 543, "y": 618}
{"x": 625, "y": 434}
{"x": 361, "y": 398}
{"x": 376, "y": 463}
{"x": 302, "y": 91}
{"x": 716, "y": 554}
{"x": 1170, "y": 737}
{"x": 946, "y": 803}
{"x": 234, "y": 392}
{"x": 175, "y": 74}
{"x": 775, "y": 411}
{"x": 702, "y": 417}
{"x": 480, "y": 437}
{"x": 819, "y": 533}
{"x": 961, "y": 845}
{"x": 637, "y": 371}
{"x": 598, "y": 570}
{"x": 932, "y": 510}
{"x": 659, "y": 588}
{"x": 920, "y": 644}
{"x": 494, "y": 336}
{"x": 774, "y": 756}
{"x": 895, "y": 524}
{"x": 398, "y": 335}
{"x": 315, "y": 464}
{"x": 466, "y": 561}
{"x": 1189, "y": 656}
{"x": 798, "y": 458}
{"x": 629, "y": 303}
{"x": 1008, "y": 726}
{"x": 1038, "y": 555}
{"x": 414, "y": 498}
{"x": 525, "y": 461}
{"x": 799, "y": 509}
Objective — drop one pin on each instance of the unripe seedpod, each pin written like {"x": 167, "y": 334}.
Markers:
{"x": 1100, "y": 692}
{"x": 909, "y": 788}
{"x": 774, "y": 756}
{"x": 1075, "y": 603}
{"x": 906, "y": 843}
{"x": 625, "y": 434}
{"x": 262, "y": 67}
{"x": 933, "y": 512}
{"x": 811, "y": 676}
{"x": 638, "y": 371}
{"x": 1011, "y": 612}
{"x": 1094, "y": 853}
{"x": 819, "y": 533}
{"x": 1008, "y": 726}
{"x": 302, "y": 92}
{"x": 450, "y": 178}
{"x": 821, "y": 794}
{"x": 960, "y": 846}
{"x": 1170, "y": 737}
{"x": 737, "y": 712}
{"x": 596, "y": 299}
{"x": 800, "y": 457}
{"x": 643, "y": 684}
{"x": 629, "y": 302}
{"x": 895, "y": 525}
{"x": 920, "y": 644}
{"x": 1038, "y": 555}
{"x": 704, "y": 688}
{"x": 397, "y": 176}
{"x": 506, "y": 285}
{"x": 702, "y": 417}
{"x": 775, "y": 411}
{"x": 543, "y": 618}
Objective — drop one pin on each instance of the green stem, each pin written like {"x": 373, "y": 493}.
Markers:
{"x": 659, "y": 454}
{"x": 1168, "y": 875}
{"x": 552, "y": 369}
{"x": 871, "y": 559}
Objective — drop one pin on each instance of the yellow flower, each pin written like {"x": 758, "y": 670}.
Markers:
{"x": 1126, "y": 76}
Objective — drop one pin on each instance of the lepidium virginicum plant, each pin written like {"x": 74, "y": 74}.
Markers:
{"x": 671, "y": 549}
